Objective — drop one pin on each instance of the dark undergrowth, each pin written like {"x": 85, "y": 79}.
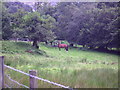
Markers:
{"x": 109, "y": 51}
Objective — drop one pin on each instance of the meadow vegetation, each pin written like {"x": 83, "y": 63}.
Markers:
{"x": 91, "y": 29}
{"x": 75, "y": 68}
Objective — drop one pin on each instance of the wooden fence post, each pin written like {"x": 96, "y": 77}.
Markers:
{"x": 33, "y": 81}
{"x": 1, "y": 72}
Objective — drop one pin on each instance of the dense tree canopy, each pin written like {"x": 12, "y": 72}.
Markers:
{"x": 39, "y": 27}
{"x": 93, "y": 25}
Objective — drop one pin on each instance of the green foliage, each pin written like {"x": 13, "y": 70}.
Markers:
{"x": 11, "y": 19}
{"x": 24, "y": 23}
{"x": 64, "y": 42}
{"x": 87, "y": 24}
{"x": 6, "y": 30}
{"x": 29, "y": 16}
{"x": 39, "y": 27}
{"x": 92, "y": 25}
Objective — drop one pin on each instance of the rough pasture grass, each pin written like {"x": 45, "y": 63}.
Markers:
{"x": 68, "y": 68}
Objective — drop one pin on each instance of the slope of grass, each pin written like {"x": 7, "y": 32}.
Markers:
{"x": 75, "y": 68}
{"x": 19, "y": 47}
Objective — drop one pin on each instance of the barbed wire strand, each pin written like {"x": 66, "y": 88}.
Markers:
{"x": 16, "y": 82}
{"x": 38, "y": 78}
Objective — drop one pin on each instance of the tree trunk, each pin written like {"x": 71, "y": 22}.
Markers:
{"x": 71, "y": 45}
{"x": 35, "y": 43}
{"x": 83, "y": 46}
{"x": 51, "y": 43}
{"x": 46, "y": 42}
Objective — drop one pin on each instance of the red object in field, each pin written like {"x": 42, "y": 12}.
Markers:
{"x": 62, "y": 45}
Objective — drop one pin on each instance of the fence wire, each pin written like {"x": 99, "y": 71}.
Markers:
{"x": 7, "y": 86}
{"x": 16, "y": 82}
{"x": 37, "y": 78}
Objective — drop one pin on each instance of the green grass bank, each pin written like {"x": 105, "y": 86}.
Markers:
{"x": 75, "y": 68}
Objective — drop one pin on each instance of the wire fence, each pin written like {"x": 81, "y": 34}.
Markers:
{"x": 45, "y": 80}
{"x": 16, "y": 81}
{"x": 7, "y": 86}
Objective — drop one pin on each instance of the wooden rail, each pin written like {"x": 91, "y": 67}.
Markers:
{"x": 32, "y": 77}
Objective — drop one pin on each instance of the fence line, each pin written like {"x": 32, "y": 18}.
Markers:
{"x": 16, "y": 82}
{"x": 7, "y": 86}
{"x": 38, "y": 78}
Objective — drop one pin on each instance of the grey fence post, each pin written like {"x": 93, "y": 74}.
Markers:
{"x": 33, "y": 81}
{"x": 1, "y": 72}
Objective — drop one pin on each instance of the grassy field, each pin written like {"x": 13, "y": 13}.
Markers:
{"x": 75, "y": 68}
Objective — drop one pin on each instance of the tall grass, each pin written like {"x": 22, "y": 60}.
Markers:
{"x": 75, "y": 68}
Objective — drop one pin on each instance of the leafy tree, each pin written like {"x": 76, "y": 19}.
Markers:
{"x": 72, "y": 18}
{"x": 93, "y": 25}
{"x": 45, "y": 8}
{"x": 6, "y": 27}
{"x": 101, "y": 27}
{"x": 39, "y": 27}
{"x": 13, "y": 7}
{"x": 11, "y": 21}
